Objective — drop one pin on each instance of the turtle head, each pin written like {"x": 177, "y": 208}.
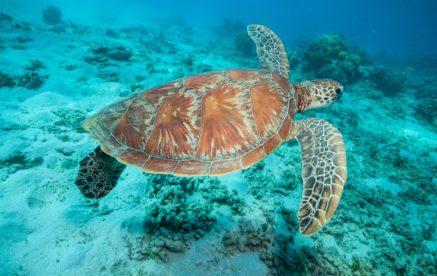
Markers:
{"x": 317, "y": 93}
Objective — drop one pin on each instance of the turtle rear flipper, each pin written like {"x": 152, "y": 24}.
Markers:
{"x": 323, "y": 173}
{"x": 98, "y": 174}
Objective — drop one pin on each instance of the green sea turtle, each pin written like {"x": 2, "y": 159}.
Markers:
{"x": 221, "y": 122}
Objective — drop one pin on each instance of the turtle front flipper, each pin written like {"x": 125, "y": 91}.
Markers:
{"x": 323, "y": 173}
{"x": 270, "y": 50}
{"x": 98, "y": 174}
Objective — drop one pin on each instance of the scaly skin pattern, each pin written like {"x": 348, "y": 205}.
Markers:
{"x": 315, "y": 93}
{"x": 323, "y": 172}
{"x": 210, "y": 124}
{"x": 270, "y": 50}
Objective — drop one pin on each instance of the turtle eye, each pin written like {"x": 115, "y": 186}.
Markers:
{"x": 338, "y": 91}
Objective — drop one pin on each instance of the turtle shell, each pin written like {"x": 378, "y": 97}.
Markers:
{"x": 210, "y": 124}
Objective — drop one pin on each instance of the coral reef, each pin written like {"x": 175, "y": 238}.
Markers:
{"x": 5, "y": 17}
{"x": 324, "y": 50}
{"x": 31, "y": 80}
{"x": 159, "y": 43}
{"x": 173, "y": 221}
{"x": 103, "y": 55}
{"x": 111, "y": 33}
{"x": 23, "y": 39}
{"x": 51, "y": 15}
{"x": 109, "y": 74}
{"x": 35, "y": 65}
{"x": 386, "y": 80}
{"x": 426, "y": 89}
{"x": 71, "y": 119}
{"x": 19, "y": 161}
{"x": 385, "y": 223}
{"x": 6, "y": 80}
{"x": 328, "y": 56}
{"x": 426, "y": 109}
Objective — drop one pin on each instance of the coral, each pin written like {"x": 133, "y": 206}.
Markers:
{"x": 19, "y": 161}
{"x": 23, "y": 26}
{"x": 173, "y": 219}
{"x": 79, "y": 28}
{"x": 386, "y": 80}
{"x": 202, "y": 67}
{"x": 160, "y": 43}
{"x": 109, "y": 75}
{"x": 248, "y": 236}
{"x": 427, "y": 89}
{"x": 111, "y": 33}
{"x": 329, "y": 57}
{"x": 30, "y": 80}
{"x": 426, "y": 108}
{"x": 102, "y": 55}
{"x": 253, "y": 235}
{"x": 23, "y": 39}
{"x": 293, "y": 59}
{"x": 71, "y": 119}
{"x": 35, "y": 65}
{"x": 120, "y": 53}
{"x": 135, "y": 30}
{"x": 136, "y": 87}
{"x": 263, "y": 185}
{"x": 6, "y": 80}
{"x": 187, "y": 61}
{"x": 349, "y": 63}
{"x": 175, "y": 214}
{"x": 70, "y": 67}
{"x": 323, "y": 50}
{"x": 58, "y": 29}
{"x": 365, "y": 59}
{"x": 332, "y": 71}
{"x": 51, "y": 15}
{"x": 214, "y": 192}
{"x": 5, "y": 17}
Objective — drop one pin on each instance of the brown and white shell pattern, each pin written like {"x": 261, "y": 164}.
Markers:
{"x": 210, "y": 124}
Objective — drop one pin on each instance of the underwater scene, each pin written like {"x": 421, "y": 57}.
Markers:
{"x": 218, "y": 137}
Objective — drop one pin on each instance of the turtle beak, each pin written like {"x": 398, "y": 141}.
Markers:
{"x": 339, "y": 91}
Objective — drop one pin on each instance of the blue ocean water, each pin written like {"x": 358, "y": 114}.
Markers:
{"x": 63, "y": 61}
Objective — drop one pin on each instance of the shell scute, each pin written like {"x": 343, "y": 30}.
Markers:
{"x": 213, "y": 123}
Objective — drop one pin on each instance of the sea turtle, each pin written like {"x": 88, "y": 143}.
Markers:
{"x": 221, "y": 122}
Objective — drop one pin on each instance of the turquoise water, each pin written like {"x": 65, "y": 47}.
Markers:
{"x": 63, "y": 63}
